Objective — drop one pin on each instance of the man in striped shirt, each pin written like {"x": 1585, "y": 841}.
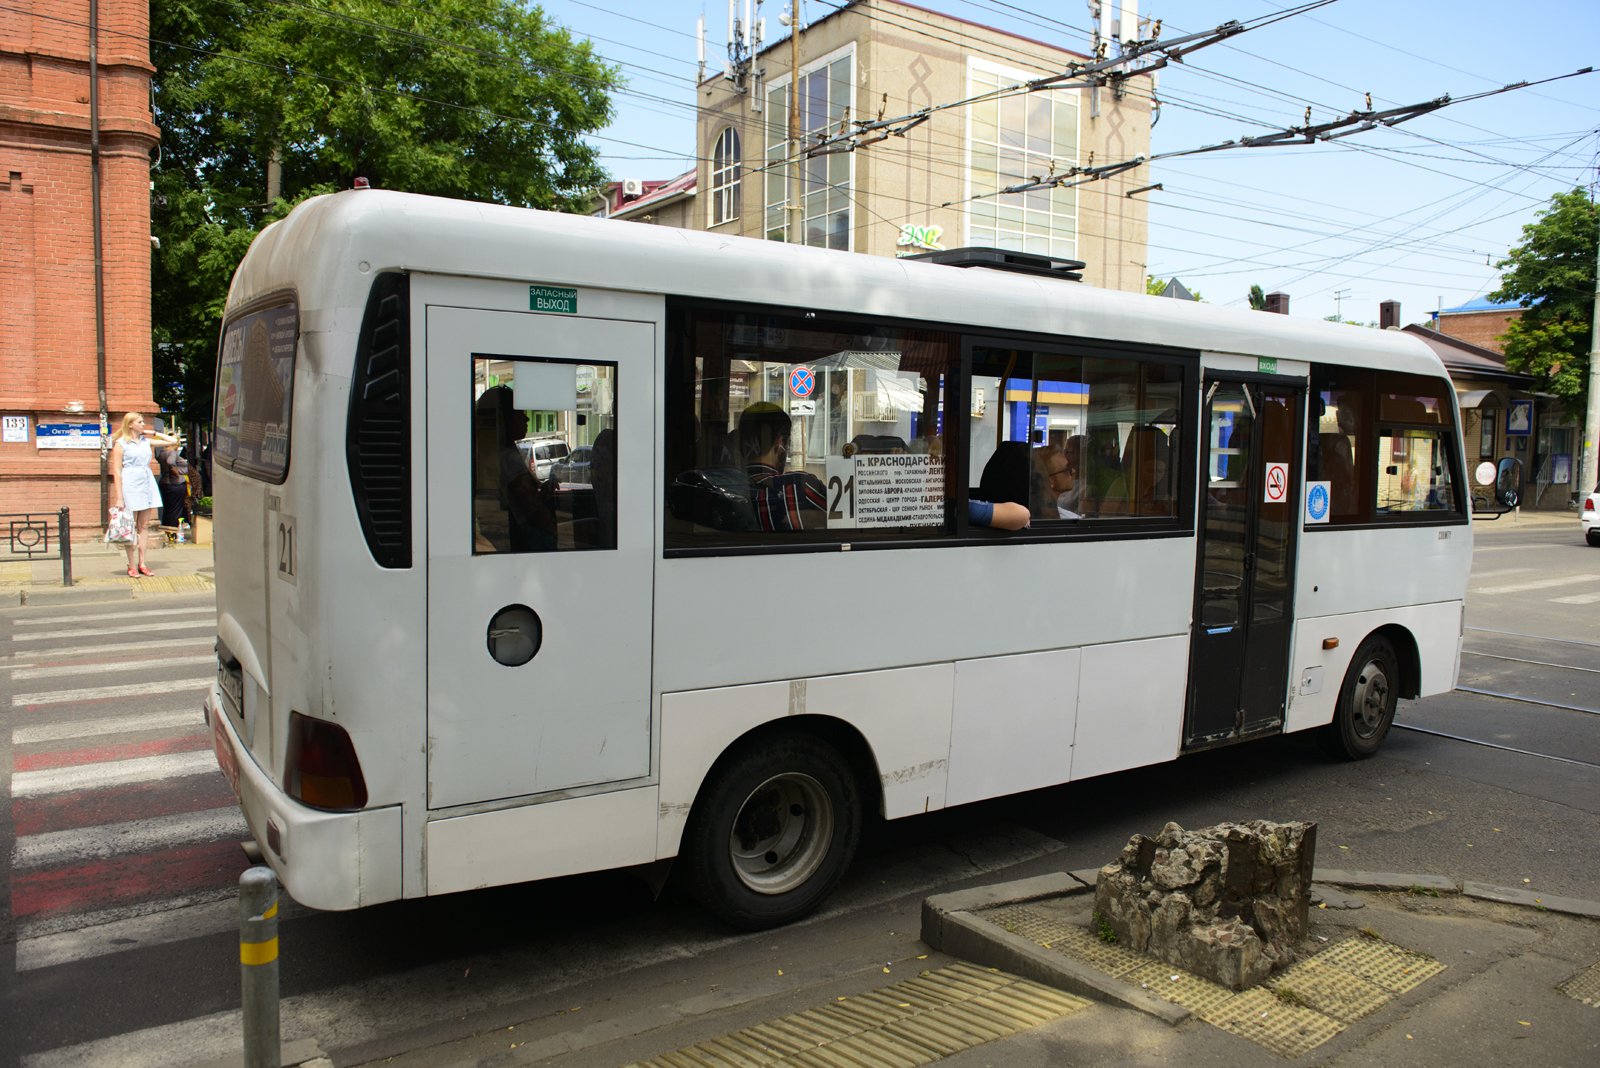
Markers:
{"x": 783, "y": 500}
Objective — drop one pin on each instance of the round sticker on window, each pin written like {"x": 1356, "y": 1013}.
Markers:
{"x": 1317, "y": 500}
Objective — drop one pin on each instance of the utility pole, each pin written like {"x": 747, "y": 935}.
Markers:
{"x": 1587, "y": 468}
{"x": 796, "y": 217}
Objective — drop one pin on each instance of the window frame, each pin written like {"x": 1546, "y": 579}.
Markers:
{"x": 276, "y": 302}
{"x": 1378, "y": 383}
{"x": 473, "y": 472}
{"x": 727, "y": 176}
{"x": 1058, "y": 245}
{"x": 776, "y": 120}
{"x": 956, "y": 531}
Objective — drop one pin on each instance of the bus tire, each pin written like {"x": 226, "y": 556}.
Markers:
{"x": 1367, "y": 701}
{"x": 773, "y": 831}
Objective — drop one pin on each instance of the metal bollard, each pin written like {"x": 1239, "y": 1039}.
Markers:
{"x": 64, "y": 538}
{"x": 258, "y": 966}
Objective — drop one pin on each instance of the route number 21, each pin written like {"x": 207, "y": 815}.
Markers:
{"x": 287, "y": 561}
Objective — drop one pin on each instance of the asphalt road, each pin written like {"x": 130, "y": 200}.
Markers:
{"x": 117, "y": 925}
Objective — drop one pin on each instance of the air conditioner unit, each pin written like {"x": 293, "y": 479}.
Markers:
{"x": 632, "y": 187}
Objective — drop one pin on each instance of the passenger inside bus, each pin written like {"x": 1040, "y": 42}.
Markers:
{"x": 1145, "y": 486}
{"x": 1001, "y": 497}
{"x": 511, "y": 511}
{"x": 1070, "y": 499}
{"x": 790, "y": 500}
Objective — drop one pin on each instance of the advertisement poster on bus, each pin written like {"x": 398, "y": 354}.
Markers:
{"x": 255, "y": 377}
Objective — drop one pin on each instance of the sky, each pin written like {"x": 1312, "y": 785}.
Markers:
{"x": 1419, "y": 213}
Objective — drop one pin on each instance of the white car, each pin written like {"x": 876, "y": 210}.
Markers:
{"x": 543, "y": 453}
{"x": 1590, "y": 517}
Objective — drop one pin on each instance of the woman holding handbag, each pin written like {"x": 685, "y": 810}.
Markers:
{"x": 133, "y": 484}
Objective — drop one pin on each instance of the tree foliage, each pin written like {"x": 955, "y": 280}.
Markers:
{"x": 477, "y": 99}
{"x": 1257, "y": 298}
{"x": 1155, "y": 287}
{"x": 1552, "y": 274}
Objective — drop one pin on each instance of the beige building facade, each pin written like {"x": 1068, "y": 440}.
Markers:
{"x": 934, "y": 185}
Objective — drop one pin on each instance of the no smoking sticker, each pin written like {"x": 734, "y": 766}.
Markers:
{"x": 1277, "y": 483}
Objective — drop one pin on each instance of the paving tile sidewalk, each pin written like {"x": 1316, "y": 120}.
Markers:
{"x": 100, "y": 572}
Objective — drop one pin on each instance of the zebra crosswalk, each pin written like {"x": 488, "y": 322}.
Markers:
{"x": 126, "y": 835}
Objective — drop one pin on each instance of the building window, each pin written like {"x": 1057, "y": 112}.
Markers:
{"x": 1012, "y": 140}
{"x": 825, "y": 104}
{"x": 725, "y": 176}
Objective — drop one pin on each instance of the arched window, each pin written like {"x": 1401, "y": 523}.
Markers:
{"x": 725, "y": 177}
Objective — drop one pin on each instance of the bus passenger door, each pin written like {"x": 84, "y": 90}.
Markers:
{"x": 539, "y": 447}
{"x": 1244, "y": 589}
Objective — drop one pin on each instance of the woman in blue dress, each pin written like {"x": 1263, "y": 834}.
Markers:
{"x": 133, "y": 484}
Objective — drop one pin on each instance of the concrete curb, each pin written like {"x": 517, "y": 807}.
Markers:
{"x": 951, "y": 925}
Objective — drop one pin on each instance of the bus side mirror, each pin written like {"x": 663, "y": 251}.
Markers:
{"x": 1507, "y": 482}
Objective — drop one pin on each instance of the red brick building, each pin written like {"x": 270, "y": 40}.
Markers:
{"x": 1480, "y": 322}
{"x": 49, "y": 300}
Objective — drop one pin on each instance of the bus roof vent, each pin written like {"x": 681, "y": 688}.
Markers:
{"x": 1001, "y": 259}
{"x": 378, "y": 433}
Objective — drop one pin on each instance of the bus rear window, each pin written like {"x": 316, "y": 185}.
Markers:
{"x": 255, "y": 391}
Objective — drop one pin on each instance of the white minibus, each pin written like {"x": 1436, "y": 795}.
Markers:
{"x": 782, "y": 600}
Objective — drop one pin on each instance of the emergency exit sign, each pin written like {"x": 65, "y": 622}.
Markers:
{"x": 1267, "y": 365}
{"x": 553, "y": 299}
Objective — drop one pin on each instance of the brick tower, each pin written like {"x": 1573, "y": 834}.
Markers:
{"x": 52, "y": 85}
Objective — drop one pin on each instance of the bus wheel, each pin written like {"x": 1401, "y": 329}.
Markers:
{"x": 1366, "y": 702}
{"x": 773, "y": 831}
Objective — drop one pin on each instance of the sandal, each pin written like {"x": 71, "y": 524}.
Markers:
{"x": 145, "y": 571}
{"x": 132, "y": 573}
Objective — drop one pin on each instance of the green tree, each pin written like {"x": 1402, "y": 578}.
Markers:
{"x": 477, "y": 99}
{"x": 1551, "y": 274}
{"x": 1258, "y": 298}
{"x": 1155, "y": 287}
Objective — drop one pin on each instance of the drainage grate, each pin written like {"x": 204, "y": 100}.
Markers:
{"x": 1391, "y": 967}
{"x": 912, "y": 1022}
{"x": 1585, "y": 986}
{"x": 1262, "y": 1017}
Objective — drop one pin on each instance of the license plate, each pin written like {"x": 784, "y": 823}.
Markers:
{"x": 225, "y": 758}
{"x": 232, "y": 684}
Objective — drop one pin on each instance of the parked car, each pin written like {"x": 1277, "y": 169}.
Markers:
{"x": 1590, "y": 517}
{"x": 576, "y": 466}
{"x": 543, "y": 453}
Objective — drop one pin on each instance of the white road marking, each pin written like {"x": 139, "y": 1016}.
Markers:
{"x": 1540, "y": 584}
{"x": 165, "y": 613}
{"x": 96, "y": 632}
{"x": 105, "y": 669}
{"x": 93, "y": 693}
{"x": 40, "y": 655}
{"x": 83, "y": 935}
{"x": 113, "y": 773}
{"x": 1476, "y": 574}
{"x": 90, "y": 728}
{"x": 134, "y": 836}
{"x": 1577, "y": 598}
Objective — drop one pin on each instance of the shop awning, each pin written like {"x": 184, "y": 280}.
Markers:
{"x": 1479, "y": 398}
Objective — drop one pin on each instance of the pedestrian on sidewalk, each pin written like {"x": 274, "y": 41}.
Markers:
{"x": 133, "y": 484}
{"x": 174, "y": 485}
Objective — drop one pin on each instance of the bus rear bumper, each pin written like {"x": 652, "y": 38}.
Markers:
{"x": 325, "y": 860}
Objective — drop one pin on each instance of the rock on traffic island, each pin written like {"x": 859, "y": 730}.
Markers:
{"x": 1229, "y": 902}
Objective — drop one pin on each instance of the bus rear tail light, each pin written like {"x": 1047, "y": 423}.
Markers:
{"x": 321, "y": 769}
